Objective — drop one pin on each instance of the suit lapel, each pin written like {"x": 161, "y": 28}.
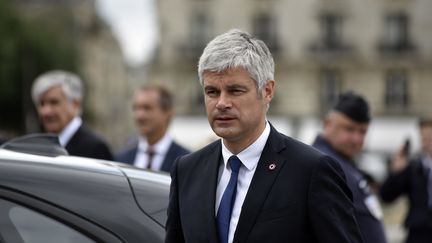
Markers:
{"x": 266, "y": 172}
{"x": 132, "y": 155}
{"x": 71, "y": 144}
{"x": 168, "y": 160}
{"x": 211, "y": 167}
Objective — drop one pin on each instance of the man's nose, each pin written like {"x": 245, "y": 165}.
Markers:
{"x": 142, "y": 112}
{"x": 359, "y": 137}
{"x": 224, "y": 101}
{"x": 44, "y": 109}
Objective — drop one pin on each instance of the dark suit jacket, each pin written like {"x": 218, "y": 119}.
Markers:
{"x": 412, "y": 181}
{"x": 304, "y": 199}
{"x": 86, "y": 143}
{"x": 175, "y": 150}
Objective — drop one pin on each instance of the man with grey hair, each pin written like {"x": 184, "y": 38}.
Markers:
{"x": 255, "y": 184}
{"x": 57, "y": 96}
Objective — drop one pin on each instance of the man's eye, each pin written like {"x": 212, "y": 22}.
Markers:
{"x": 211, "y": 93}
{"x": 237, "y": 91}
{"x": 49, "y": 102}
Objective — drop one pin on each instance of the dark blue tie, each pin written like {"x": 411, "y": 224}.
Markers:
{"x": 227, "y": 201}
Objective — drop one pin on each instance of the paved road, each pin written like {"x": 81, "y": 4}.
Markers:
{"x": 394, "y": 214}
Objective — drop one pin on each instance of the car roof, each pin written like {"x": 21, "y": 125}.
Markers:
{"x": 107, "y": 193}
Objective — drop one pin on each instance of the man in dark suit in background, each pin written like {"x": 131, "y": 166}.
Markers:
{"x": 345, "y": 128}
{"x": 414, "y": 179}
{"x": 57, "y": 96}
{"x": 254, "y": 185}
{"x": 156, "y": 149}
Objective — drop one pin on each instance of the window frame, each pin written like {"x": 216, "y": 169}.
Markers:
{"x": 396, "y": 100}
{"x": 328, "y": 99}
{"x": 90, "y": 229}
{"x": 265, "y": 28}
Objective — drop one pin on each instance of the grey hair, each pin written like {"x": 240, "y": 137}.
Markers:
{"x": 238, "y": 49}
{"x": 70, "y": 83}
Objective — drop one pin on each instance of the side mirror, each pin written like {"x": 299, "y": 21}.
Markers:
{"x": 39, "y": 144}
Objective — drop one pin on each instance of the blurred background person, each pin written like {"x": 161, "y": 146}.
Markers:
{"x": 152, "y": 111}
{"x": 345, "y": 128}
{"x": 58, "y": 96}
{"x": 413, "y": 177}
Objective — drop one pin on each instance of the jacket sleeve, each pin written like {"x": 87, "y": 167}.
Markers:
{"x": 174, "y": 231}
{"x": 396, "y": 184}
{"x": 331, "y": 211}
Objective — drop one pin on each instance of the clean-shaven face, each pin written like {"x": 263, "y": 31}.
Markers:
{"x": 344, "y": 134}
{"x": 148, "y": 114}
{"x": 236, "y": 111}
{"x": 55, "y": 110}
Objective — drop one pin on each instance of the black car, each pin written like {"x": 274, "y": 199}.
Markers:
{"x": 59, "y": 198}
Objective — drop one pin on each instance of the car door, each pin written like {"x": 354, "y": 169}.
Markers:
{"x": 24, "y": 219}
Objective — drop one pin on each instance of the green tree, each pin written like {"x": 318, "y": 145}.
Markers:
{"x": 28, "y": 47}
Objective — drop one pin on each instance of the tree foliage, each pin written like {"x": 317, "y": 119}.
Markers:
{"x": 30, "y": 45}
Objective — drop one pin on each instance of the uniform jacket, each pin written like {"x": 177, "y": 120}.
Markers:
{"x": 371, "y": 227}
{"x": 303, "y": 199}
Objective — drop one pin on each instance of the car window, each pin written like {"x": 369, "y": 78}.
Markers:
{"x": 19, "y": 224}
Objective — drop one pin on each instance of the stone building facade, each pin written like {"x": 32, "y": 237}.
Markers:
{"x": 379, "y": 48}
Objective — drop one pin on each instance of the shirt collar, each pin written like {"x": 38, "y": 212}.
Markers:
{"x": 161, "y": 147}
{"x": 250, "y": 155}
{"x": 427, "y": 161}
{"x": 71, "y": 128}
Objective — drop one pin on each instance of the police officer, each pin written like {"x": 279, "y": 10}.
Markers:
{"x": 345, "y": 128}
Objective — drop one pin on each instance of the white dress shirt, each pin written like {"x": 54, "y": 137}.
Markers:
{"x": 67, "y": 132}
{"x": 160, "y": 150}
{"x": 427, "y": 161}
{"x": 249, "y": 158}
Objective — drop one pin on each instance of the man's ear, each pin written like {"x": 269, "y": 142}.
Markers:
{"x": 328, "y": 123}
{"x": 268, "y": 90}
{"x": 170, "y": 114}
{"x": 76, "y": 104}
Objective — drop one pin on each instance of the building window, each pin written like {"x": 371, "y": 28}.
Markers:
{"x": 331, "y": 40}
{"x": 199, "y": 35}
{"x": 264, "y": 28}
{"x": 330, "y": 88}
{"x": 331, "y": 30}
{"x": 396, "y": 94}
{"x": 396, "y": 33}
{"x": 200, "y": 28}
